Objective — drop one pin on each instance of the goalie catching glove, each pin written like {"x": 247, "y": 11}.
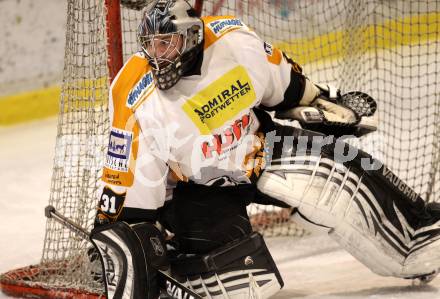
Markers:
{"x": 331, "y": 113}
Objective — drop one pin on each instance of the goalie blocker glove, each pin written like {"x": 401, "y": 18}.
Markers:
{"x": 130, "y": 256}
{"x": 240, "y": 269}
{"x": 331, "y": 113}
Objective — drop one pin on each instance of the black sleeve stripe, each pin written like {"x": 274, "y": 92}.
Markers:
{"x": 296, "y": 67}
{"x": 135, "y": 215}
{"x": 293, "y": 93}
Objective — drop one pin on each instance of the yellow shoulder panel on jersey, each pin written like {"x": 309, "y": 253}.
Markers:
{"x": 218, "y": 26}
{"x": 133, "y": 85}
{"x": 123, "y": 145}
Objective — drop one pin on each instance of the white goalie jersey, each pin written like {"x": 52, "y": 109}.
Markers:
{"x": 204, "y": 128}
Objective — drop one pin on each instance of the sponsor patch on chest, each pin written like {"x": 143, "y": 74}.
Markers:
{"x": 118, "y": 152}
{"x": 221, "y": 101}
{"x": 220, "y": 27}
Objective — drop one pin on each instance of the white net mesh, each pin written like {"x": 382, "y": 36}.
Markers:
{"x": 388, "y": 49}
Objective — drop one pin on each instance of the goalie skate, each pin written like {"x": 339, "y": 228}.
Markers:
{"x": 424, "y": 279}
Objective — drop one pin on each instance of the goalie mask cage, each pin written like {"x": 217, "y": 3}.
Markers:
{"x": 388, "y": 49}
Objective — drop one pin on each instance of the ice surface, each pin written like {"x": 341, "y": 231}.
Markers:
{"x": 312, "y": 267}
{"x": 315, "y": 267}
{"x": 26, "y": 154}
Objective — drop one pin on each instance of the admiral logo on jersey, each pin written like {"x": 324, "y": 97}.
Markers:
{"x": 221, "y": 101}
{"x": 118, "y": 153}
{"x": 139, "y": 90}
{"x": 222, "y": 26}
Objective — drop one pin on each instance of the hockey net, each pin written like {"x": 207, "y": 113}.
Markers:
{"x": 389, "y": 49}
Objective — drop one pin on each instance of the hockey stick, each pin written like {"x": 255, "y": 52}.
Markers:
{"x": 173, "y": 288}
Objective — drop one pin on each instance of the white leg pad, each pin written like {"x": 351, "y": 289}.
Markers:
{"x": 335, "y": 200}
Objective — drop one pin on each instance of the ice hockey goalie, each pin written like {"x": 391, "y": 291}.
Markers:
{"x": 192, "y": 144}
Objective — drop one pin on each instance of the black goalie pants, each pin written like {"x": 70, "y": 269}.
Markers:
{"x": 358, "y": 201}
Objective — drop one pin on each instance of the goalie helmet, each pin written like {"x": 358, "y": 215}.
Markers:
{"x": 171, "y": 36}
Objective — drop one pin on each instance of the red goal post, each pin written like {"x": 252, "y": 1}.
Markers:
{"x": 114, "y": 37}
